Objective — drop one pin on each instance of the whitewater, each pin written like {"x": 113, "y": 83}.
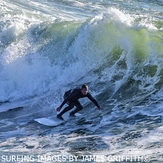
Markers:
{"x": 49, "y": 46}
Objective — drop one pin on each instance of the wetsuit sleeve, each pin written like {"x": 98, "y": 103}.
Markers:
{"x": 63, "y": 102}
{"x": 93, "y": 100}
{"x": 71, "y": 96}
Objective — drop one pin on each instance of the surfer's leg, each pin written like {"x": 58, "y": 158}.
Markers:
{"x": 78, "y": 108}
{"x": 71, "y": 105}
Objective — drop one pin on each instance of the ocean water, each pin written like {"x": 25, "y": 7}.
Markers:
{"x": 50, "y": 46}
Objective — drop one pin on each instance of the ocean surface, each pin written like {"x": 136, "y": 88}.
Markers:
{"x": 50, "y": 46}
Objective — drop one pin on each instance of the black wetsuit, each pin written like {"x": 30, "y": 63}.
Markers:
{"x": 71, "y": 98}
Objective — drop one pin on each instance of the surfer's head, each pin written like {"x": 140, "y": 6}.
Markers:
{"x": 84, "y": 89}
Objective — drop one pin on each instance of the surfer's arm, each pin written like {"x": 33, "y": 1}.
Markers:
{"x": 59, "y": 108}
{"x": 94, "y": 101}
{"x": 63, "y": 102}
{"x": 71, "y": 96}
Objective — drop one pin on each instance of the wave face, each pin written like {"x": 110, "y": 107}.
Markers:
{"x": 39, "y": 51}
{"x": 47, "y": 47}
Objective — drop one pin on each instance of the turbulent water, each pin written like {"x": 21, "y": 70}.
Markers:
{"x": 50, "y": 46}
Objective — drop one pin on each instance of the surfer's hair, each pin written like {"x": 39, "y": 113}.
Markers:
{"x": 84, "y": 86}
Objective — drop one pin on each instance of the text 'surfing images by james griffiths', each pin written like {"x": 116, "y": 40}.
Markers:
{"x": 72, "y": 158}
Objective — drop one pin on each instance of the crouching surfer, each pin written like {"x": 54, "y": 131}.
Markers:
{"x": 71, "y": 98}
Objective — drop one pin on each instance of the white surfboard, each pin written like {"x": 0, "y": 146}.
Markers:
{"x": 54, "y": 121}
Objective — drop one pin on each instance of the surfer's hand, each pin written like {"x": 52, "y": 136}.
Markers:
{"x": 59, "y": 108}
{"x": 100, "y": 108}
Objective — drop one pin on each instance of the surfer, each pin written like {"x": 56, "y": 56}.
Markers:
{"x": 71, "y": 98}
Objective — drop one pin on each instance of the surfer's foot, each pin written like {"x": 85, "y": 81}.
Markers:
{"x": 60, "y": 117}
{"x": 72, "y": 114}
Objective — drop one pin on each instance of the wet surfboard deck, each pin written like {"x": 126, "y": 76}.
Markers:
{"x": 54, "y": 121}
